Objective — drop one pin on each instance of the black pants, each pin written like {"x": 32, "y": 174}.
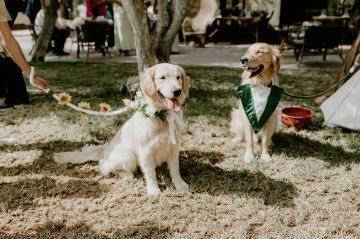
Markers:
{"x": 59, "y": 37}
{"x": 12, "y": 84}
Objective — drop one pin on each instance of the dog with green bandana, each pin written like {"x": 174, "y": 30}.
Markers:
{"x": 256, "y": 114}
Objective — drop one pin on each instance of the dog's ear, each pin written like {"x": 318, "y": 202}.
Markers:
{"x": 276, "y": 60}
{"x": 185, "y": 81}
{"x": 147, "y": 82}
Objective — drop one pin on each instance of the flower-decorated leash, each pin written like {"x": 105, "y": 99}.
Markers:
{"x": 131, "y": 105}
{"x": 139, "y": 103}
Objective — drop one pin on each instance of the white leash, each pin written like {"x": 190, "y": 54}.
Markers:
{"x": 132, "y": 105}
{"x": 92, "y": 112}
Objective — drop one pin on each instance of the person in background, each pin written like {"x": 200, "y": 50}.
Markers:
{"x": 10, "y": 48}
{"x": 95, "y": 13}
{"x": 101, "y": 4}
{"x": 110, "y": 15}
{"x": 59, "y": 35}
{"x": 32, "y": 8}
{"x": 81, "y": 11}
{"x": 12, "y": 84}
{"x": 124, "y": 38}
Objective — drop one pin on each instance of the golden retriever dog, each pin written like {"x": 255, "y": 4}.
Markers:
{"x": 146, "y": 140}
{"x": 261, "y": 64}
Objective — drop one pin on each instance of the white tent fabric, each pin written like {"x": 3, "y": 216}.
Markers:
{"x": 343, "y": 107}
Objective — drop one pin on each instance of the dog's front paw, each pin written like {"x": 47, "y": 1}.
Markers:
{"x": 105, "y": 167}
{"x": 266, "y": 157}
{"x": 181, "y": 186}
{"x": 248, "y": 157}
{"x": 126, "y": 175}
{"x": 153, "y": 191}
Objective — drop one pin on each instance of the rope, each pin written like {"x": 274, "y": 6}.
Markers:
{"x": 340, "y": 82}
{"x": 132, "y": 105}
{"x": 92, "y": 112}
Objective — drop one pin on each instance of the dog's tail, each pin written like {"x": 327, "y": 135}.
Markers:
{"x": 88, "y": 153}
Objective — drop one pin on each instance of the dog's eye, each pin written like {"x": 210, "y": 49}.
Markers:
{"x": 258, "y": 52}
{"x": 163, "y": 77}
{"x": 178, "y": 77}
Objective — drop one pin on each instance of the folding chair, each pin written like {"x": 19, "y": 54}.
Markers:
{"x": 92, "y": 34}
{"x": 319, "y": 38}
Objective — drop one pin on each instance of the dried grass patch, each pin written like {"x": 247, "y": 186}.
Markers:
{"x": 310, "y": 190}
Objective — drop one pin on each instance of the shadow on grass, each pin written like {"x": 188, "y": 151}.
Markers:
{"x": 203, "y": 177}
{"x": 45, "y": 163}
{"x": 21, "y": 194}
{"x": 53, "y": 229}
{"x": 299, "y": 146}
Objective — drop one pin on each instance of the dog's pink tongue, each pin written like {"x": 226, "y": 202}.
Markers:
{"x": 173, "y": 104}
{"x": 246, "y": 74}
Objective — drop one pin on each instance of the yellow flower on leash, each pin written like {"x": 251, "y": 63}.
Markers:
{"x": 64, "y": 98}
{"x": 84, "y": 105}
{"x": 105, "y": 107}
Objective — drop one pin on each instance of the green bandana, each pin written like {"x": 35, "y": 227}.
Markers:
{"x": 245, "y": 94}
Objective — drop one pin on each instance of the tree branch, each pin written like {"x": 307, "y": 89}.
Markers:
{"x": 180, "y": 9}
{"x": 163, "y": 20}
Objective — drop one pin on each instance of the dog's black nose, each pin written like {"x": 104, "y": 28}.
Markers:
{"x": 177, "y": 93}
{"x": 243, "y": 60}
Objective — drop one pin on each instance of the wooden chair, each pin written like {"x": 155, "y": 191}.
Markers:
{"x": 196, "y": 26}
{"x": 91, "y": 34}
{"x": 318, "y": 39}
{"x": 22, "y": 22}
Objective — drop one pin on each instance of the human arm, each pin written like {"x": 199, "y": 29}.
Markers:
{"x": 13, "y": 49}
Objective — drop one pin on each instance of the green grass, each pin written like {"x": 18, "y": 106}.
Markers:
{"x": 310, "y": 189}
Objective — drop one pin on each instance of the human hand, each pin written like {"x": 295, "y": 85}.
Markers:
{"x": 40, "y": 83}
{"x": 37, "y": 81}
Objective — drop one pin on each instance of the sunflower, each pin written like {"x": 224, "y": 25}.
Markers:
{"x": 104, "y": 107}
{"x": 64, "y": 98}
{"x": 84, "y": 105}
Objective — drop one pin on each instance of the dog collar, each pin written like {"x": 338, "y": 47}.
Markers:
{"x": 169, "y": 116}
{"x": 148, "y": 110}
{"x": 259, "y": 102}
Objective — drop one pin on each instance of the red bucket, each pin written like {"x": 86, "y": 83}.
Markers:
{"x": 296, "y": 116}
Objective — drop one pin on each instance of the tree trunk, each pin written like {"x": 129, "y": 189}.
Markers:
{"x": 143, "y": 39}
{"x": 42, "y": 42}
{"x": 153, "y": 45}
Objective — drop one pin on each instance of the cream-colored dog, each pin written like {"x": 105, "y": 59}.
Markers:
{"x": 261, "y": 64}
{"x": 151, "y": 136}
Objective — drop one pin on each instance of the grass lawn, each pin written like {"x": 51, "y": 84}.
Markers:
{"x": 311, "y": 189}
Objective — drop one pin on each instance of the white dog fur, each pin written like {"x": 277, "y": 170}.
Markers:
{"x": 144, "y": 141}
